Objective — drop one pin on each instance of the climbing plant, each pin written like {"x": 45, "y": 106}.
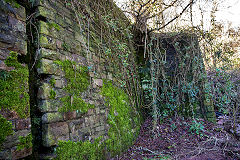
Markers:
{"x": 110, "y": 39}
{"x": 176, "y": 81}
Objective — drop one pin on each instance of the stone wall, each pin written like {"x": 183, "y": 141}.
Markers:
{"x": 64, "y": 67}
{"x": 72, "y": 70}
{"x": 70, "y": 66}
{"x": 15, "y": 140}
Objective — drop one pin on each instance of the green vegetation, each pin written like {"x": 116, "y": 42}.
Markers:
{"x": 52, "y": 94}
{"x": 52, "y": 82}
{"x": 5, "y": 129}
{"x": 197, "y": 127}
{"x": 120, "y": 119}
{"x": 13, "y": 3}
{"x": 79, "y": 150}
{"x": 77, "y": 81}
{"x": 14, "y": 87}
{"x": 25, "y": 142}
{"x": 120, "y": 135}
{"x": 53, "y": 25}
{"x": 65, "y": 46}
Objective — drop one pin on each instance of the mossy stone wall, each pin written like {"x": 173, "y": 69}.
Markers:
{"x": 15, "y": 128}
{"x": 72, "y": 68}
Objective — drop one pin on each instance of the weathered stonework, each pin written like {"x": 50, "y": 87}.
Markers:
{"x": 61, "y": 40}
{"x": 71, "y": 66}
{"x": 13, "y": 38}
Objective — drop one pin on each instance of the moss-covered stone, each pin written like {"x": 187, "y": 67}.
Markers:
{"x": 25, "y": 142}
{"x": 124, "y": 126}
{"x": 5, "y": 129}
{"x": 80, "y": 150}
{"x": 120, "y": 119}
{"x": 77, "y": 81}
{"x": 14, "y": 89}
{"x": 49, "y": 105}
{"x": 55, "y": 132}
{"x": 46, "y": 66}
{"x": 52, "y": 117}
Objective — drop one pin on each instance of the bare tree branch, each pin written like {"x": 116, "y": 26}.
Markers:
{"x": 157, "y": 29}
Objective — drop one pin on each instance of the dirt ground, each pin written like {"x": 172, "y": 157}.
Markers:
{"x": 174, "y": 139}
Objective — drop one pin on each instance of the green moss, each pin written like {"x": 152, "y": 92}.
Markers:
{"x": 13, "y": 3}
{"x": 66, "y": 47}
{"x": 14, "y": 87}
{"x": 52, "y": 94}
{"x": 77, "y": 81}
{"x": 121, "y": 133}
{"x": 80, "y": 150}
{"x": 5, "y": 129}
{"x": 25, "y": 142}
{"x": 53, "y": 25}
{"x": 52, "y": 82}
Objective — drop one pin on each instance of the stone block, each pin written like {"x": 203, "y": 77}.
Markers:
{"x": 90, "y": 121}
{"x": 47, "y": 42}
{"x": 49, "y": 105}
{"x": 77, "y": 131}
{"x": 49, "y": 54}
{"x": 100, "y": 128}
{"x": 46, "y": 66}
{"x": 4, "y": 53}
{"x": 8, "y": 114}
{"x": 109, "y": 76}
{"x": 91, "y": 74}
{"x": 45, "y": 12}
{"x": 44, "y": 91}
{"x": 70, "y": 115}
{"x": 97, "y": 110}
{"x": 23, "y": 124}
{"x": 54, "y": 132}
{"x": 13, "y": 139}
{"x": 97, "y": 83}
{"x": 78, "y": 59}
{"x": 5, "y": 154}
{"x": 52, "y": 117}
{"x": 17, "y": 26}
{"x": 18, "y": 12}
{"x": 17, "y": 154}
{"x": 90, "y": 111}
{"x": 102, "y": 111}
{"x": 60, "y": 83}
